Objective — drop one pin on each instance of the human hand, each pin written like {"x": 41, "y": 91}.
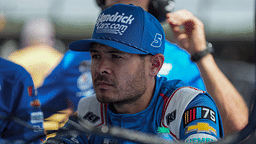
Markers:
{"x": 188, "y": 31}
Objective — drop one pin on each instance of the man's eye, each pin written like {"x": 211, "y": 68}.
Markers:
{"x": 116, "y": 56}
{"x": 95, "y": 56}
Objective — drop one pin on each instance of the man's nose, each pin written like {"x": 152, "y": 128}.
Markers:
{"x": 104, "y": 66}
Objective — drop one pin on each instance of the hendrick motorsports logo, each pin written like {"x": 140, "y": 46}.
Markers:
{"x": 114, "y": 24}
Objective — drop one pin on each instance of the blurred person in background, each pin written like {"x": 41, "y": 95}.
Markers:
{"x": 58, "y": 93}
{"x": 37, "y": 54}
{"x": 19, "y": 105}
{"x": 67, "y": 84}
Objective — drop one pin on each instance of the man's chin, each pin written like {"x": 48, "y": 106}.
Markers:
{"x": 103, "y": 99}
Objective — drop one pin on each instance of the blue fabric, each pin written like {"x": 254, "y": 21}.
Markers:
{"x": 128, "y": 28}
{"x": 18, "y": 99}
{"x": 67, "y": 84}
{"x": 207, "y": 103}
{"x": 177, "y": 65}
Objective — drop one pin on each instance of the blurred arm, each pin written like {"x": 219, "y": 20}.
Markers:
{"x": 191, "y": 37}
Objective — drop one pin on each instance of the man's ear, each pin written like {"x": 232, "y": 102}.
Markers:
{"x": 156, "y": 64}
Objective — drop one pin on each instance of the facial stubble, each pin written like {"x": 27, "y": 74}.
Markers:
{"x": 134, "y": 88}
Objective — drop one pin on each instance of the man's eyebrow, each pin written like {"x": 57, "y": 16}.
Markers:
{"x": 93, "y": 50}
{"x": 111, "y": 51}
{"x": 115, "y": 51}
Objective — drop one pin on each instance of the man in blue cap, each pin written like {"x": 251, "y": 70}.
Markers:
{"x": 126, "y": 50}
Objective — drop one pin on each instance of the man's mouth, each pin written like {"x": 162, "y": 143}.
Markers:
{"x": 104, "y": 85}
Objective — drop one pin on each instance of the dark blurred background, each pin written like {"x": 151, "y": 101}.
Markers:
{"x": 229, "y": 26}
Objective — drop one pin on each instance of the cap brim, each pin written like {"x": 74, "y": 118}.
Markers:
{"x": 84, "y": 45}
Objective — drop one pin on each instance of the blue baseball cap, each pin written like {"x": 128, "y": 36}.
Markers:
{"x": 127, "y": 28}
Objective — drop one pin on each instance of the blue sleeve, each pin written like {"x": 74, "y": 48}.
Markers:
{"x": 67, "y": 84}
{"x": 177, "y": 65}
{"x": 18, "y": 100}
{"x": 201, "y": 121}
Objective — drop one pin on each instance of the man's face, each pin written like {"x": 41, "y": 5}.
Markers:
{"x": 118, "y": 77}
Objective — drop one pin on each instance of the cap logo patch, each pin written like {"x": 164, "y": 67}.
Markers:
{"x": 157, "y": 41}
{"x": 113, "y": 24}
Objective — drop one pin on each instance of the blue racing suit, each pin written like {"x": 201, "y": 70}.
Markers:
{"x": 176, "y": 112}
{"x": 71, "y": 79}
{"x": 67, "y": 84}
{"x": 177, "y": 65}
{"x": 18, "y": 104}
